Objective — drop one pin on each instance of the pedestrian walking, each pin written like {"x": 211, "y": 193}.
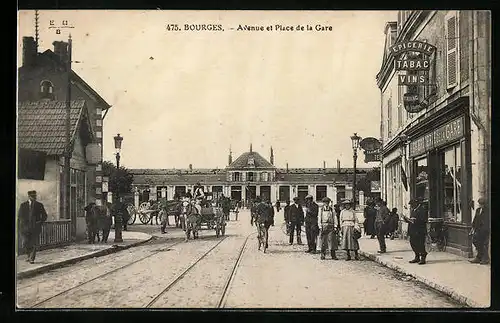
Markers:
{"x": 328, "y": 225}
{"x": 311, "y": 221}
{"x": 381, "y": 220}
{"x": 31, "y": 216}
{"x": 126, "y": 215}
{"x": 296, "y": 220}
{"x": 481, "y": 232}
{"x": 350, "y": 230}
{"x": 278, "y": 206}
{"x": 370, "y": 213}
{"x": 417, "y": 230}
{"x": 226, "y": 206}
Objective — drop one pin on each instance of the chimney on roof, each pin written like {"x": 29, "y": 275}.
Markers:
{"x": 271, "y": 159}
{"x": 61, "y": 50}
{"x": 190, "y": 167}
{"x": 338, "y": 166}
{"x": 250, "y": 147}
{"x": 324, "y": 164}
{"x": 29, "y": 51}
{"x": 287, "y": 167}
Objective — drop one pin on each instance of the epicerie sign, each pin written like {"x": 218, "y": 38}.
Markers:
{"x": 412, "y": 63}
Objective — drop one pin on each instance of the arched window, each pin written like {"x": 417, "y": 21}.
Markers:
{"x": 46, "y": 89}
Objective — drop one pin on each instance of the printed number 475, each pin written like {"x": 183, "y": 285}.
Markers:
{"x": 172, "y": 27}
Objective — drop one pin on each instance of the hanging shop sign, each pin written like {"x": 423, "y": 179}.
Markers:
{"x": 370, "y": 143}
{"x": 441, "y": 136}
{"x": 414, "y": 57}
{"x": 373, "y": 156}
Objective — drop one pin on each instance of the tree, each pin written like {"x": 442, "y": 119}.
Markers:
{"x": 364, "y": 184}
{"x": 120, "y": 179}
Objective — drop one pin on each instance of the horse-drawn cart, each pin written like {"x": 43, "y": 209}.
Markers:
{"x": 212, "y": 218}
{"x": 205, "y": 216}
{"x": 160, "y": 210}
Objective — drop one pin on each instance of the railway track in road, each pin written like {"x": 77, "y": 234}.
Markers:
{"x": 106, "y": 274}
{"x": 227, "y": 284}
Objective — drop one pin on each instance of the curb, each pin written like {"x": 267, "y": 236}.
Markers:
{"x": 56, "y": 265}
{"x": 440, "y": 288}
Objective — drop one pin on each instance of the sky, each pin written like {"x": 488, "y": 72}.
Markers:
{"x": 186, "y": 97}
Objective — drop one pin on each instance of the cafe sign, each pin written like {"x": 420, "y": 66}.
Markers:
{"x": 373, "y": 156}
{"x": 412, "y": 64}
{"x": 441, "y": 136}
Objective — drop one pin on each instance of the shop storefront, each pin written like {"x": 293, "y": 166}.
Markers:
{"x": 439, "y": 176}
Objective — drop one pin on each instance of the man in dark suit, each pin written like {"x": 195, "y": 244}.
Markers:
{"x": 417, "y": 230}
{"x": 381, "y": 220}
{"x": 295, "y": 220}
{"x": 286, "y": 211}
{"x": 481, "y": 232}
{"x": 31, "y": 216}
{"x": 311, "y": 220}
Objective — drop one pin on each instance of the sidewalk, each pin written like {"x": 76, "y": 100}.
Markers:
{"x": 58, "y": 257}
{"x": 450, "y": 274}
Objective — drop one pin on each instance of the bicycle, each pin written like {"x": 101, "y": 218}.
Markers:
{"x": 436, "y": 237}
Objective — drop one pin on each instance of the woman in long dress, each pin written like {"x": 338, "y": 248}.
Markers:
{"x": 349, "y": 223}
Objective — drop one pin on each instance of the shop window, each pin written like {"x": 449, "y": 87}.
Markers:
{"x": 422, "y": 179}
{"x": 320, "y": 192}
{"x": 451, "y": 167}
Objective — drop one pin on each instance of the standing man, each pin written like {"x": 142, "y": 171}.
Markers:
{"x": 226, "y": 206}
{"x": 286, "y": 211}
{"x": 278, "y": 206}
{"x": 481, "y": 232}
{"x": 296, "y": 220}
{"x": 311, "y": 220}
{"x": 198, "y": 191}
{"x": 329, "y": 228}
{"x": 31, "y": 216}
{"x": 381, "y": 220}
{"x": 417, "y": 230}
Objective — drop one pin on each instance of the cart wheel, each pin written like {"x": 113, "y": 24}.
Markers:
{"x": 144, "y": 217}
{"x": 131, "y": 220}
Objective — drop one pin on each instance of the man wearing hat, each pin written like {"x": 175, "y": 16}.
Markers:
{"x": 328, "y": 229}
{"x": 481, "y": 232}
{"x": 311, "y": 220}
{"x": 417, "y": 230}
{"x": 295, "y": 220}
{"x": 381, "y": 220}
{"x": 31, "y": 216}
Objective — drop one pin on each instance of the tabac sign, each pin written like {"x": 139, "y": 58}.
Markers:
{"x": 414, "y": 58}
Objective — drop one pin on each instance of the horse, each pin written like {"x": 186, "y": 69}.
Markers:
{"x": 190, "y": 218}
{"x": 97, "y": 218}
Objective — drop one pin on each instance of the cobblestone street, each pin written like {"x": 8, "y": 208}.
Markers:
{"x": 169, "y": 273}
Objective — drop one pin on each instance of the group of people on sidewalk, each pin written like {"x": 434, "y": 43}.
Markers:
{"x": 334, "y": 226}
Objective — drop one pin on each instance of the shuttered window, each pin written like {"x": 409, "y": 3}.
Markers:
{"x": 451, "y": 34}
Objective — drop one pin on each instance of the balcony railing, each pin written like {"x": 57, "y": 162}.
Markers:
{"x": 53, "y": 234}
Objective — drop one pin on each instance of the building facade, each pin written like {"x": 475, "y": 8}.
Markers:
{"x": 246, "y": 177}
{"x": 439, "y": 148}
{"x": 42, "y": 95}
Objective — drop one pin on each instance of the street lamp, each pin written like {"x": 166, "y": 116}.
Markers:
{"x": 355, "y": 145}
{"x": 118, "y": 215}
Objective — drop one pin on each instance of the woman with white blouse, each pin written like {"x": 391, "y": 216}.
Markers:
{"x": 348, "y": 224}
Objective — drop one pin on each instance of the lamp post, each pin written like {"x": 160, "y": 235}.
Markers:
{"x": 355, "y": 145}
{"x": 118, "y": 215}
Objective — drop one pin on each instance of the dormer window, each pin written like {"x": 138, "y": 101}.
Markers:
{"x": 46, "y": 89}
{"x": 251, "y": 161}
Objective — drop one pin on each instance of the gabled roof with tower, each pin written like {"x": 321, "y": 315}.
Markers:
{"x": 250, "y": 160}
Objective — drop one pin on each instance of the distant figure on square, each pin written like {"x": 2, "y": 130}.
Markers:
{"x": 349, "y": 224}
{"x": 31, "y": 216}
{"x": 328, "y": 229}
{"x": 417, "y": 230}
{"x": 295, "y": 220}
{"x": 311, "y": 221}
{"x": 278, "y": 206}
{"x": 481, "y": 232}
{"x": 370, "y": 213}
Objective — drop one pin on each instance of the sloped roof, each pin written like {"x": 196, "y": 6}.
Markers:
{"x": 180, "y": 179}
{"x": 41, "y": 124}
{"x": 173, "y": 171}
{"x": 242, "y": 161}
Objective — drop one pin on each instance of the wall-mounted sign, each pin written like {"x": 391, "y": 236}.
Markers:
{"x": 414, "y": 58}
{"x": 441, "y": 136}
{"x": 370, "y": 143}
{"x": 373, "y": 156}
